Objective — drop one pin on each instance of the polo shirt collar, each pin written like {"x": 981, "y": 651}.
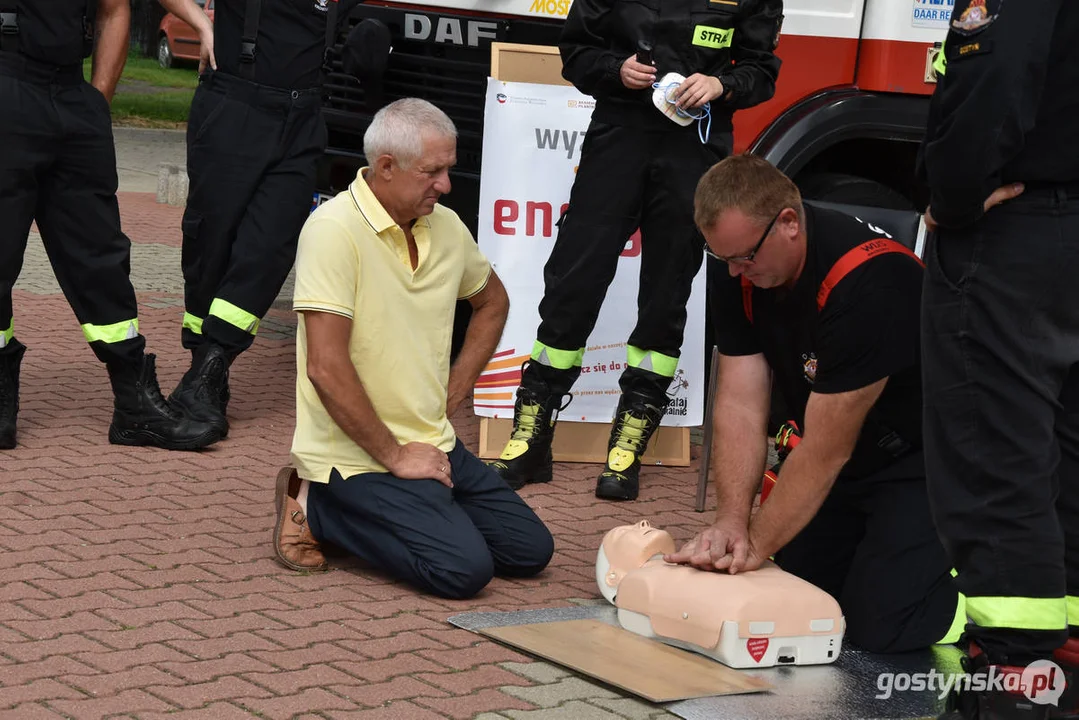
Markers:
{"x": 368, "y": 205}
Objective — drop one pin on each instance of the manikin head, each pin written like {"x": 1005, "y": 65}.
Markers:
{"x": 410, "y": 147}
{"x": 626, "y": 548}
{"x": 752, "y": 218}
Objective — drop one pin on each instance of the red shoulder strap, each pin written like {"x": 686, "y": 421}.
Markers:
{"x": 855, "y": 257}
{"x": 747, "y": 298}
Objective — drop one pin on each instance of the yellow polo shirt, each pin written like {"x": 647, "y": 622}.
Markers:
{"x": 353, "y": 261}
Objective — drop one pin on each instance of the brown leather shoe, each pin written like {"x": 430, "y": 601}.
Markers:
{"x": 294, "y": 545}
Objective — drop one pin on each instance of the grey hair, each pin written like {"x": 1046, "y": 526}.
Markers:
{"x": 398, "y": 130}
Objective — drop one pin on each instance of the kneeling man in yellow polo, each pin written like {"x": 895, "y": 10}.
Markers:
{"x": 379, "y": 470}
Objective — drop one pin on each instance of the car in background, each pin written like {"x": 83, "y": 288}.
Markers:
{"x": 178, "y": 41}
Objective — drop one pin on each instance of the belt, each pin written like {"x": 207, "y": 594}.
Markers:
{"x": 1068, "y": 189}
{"x": 30, "y": 70}
{"x": 259, "y": 95}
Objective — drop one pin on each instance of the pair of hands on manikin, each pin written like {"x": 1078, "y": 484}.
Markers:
{"x": 726, "y": 546}
{"x": 697, "y": 89}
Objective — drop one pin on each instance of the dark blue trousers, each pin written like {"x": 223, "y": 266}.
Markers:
{"x": 449, "y": 542}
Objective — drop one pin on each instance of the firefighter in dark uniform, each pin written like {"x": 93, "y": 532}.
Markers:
{"x": 254, "y": 137}
{"x": 637, "y": 169}
{"x": 825, "y": 309}
{"x": 58, "y": 167}
{"x": 1001, "y": 339}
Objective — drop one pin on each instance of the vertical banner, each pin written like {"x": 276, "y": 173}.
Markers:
{"x": 532, "y": 140}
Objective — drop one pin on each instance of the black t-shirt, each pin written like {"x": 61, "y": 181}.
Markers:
{"x": 867, "y": 330}
{"x": 52, "y": 31}
{"x": 290, "y": 45}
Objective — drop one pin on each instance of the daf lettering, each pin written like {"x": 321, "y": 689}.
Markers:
{"x": 449, "y": 30}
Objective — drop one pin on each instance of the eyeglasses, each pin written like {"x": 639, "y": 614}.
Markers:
{"x": 748, "y": 258}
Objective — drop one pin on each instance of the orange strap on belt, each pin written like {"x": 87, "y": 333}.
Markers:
{"x": 850, "y": 260}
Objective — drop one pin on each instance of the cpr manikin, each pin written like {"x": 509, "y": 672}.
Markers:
{"x": 756, "y": 619}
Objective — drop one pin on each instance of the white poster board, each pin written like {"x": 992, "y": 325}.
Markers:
{"x": 531, "y": 147}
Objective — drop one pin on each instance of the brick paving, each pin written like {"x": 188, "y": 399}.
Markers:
{"x": 140, "y": 583}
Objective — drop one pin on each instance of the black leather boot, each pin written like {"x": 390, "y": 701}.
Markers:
{"x": 991, "y": 691}
{"x": 635, "y": 420}
{"x": 143, "y": 417}
{"x": 203, "y": 392}
{"x": 10, "y": 361}
{"x": 527, "y": 456}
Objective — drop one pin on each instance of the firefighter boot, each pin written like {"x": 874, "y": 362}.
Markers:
{"x": 143, "y": 417}
{"x": 636, "y": 418}
{"x": 10, "y": 360}
{"x": 527, "y": 456}
{"x": 203, "y": 391}
{"x": 1000, "y": 692}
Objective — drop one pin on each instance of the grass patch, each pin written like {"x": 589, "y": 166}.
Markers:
{"x": 164, "y": 108}
{"x": 149, "y": 95}
{"x": 146, "y": 71}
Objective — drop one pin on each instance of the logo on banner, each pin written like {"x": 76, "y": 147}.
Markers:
{"x": 556, "y": 8}
{"x": 932, "y": 13}
{"x": 501, "y": 98}
{"x": 677, "y": 392}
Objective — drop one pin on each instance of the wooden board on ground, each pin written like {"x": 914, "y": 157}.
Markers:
{"x": 587, "y": 442}
{"x": 578, "y": 441}
{"x": 642, "y": 666}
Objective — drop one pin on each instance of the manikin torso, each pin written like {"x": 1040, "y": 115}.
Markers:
{"x": 761, "y": 618}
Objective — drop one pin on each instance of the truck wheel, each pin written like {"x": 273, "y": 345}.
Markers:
{"x": 164, "y": 54}
{"x": 851, "y": 190}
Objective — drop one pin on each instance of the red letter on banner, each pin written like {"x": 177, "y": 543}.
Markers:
{"x": 505, "y": 212}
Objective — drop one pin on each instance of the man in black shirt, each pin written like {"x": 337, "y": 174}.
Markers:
{"x": 58, "y": 167}
{"x": 828, "y": 307}
{"x": 1001, "y": 336}
{"x": 254, "y": 136}
{"x": 637, "y": 169}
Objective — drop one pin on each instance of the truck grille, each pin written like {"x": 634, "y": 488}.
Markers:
{"x": 453, "y": 77}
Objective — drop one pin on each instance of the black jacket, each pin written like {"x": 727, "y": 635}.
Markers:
{"x": 733, "y": 40}
{"x": 1006, "y": 108}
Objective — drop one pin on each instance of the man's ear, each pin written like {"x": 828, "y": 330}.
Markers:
{"x": 384, "y": 167}
{"x": 791, "y": 222}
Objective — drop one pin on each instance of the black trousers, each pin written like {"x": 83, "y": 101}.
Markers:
{"x": 1000, "y": 344}
{"x": 251, "y": 160}
{"x": 873, "y": 547}
{"x": 627, "y": 178}
{"x": 58, "y": 166}
{"x": 449, "y": 542}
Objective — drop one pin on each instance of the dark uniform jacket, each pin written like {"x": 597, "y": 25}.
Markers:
{"x": 1006, "y": 108}
{"x": 733, "y": 40}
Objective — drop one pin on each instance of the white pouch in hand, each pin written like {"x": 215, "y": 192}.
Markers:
{"x": 663, "y": 99}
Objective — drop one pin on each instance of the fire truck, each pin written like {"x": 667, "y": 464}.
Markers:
{"x": 848, "y": 113}
{"x": 845, "y": 123}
